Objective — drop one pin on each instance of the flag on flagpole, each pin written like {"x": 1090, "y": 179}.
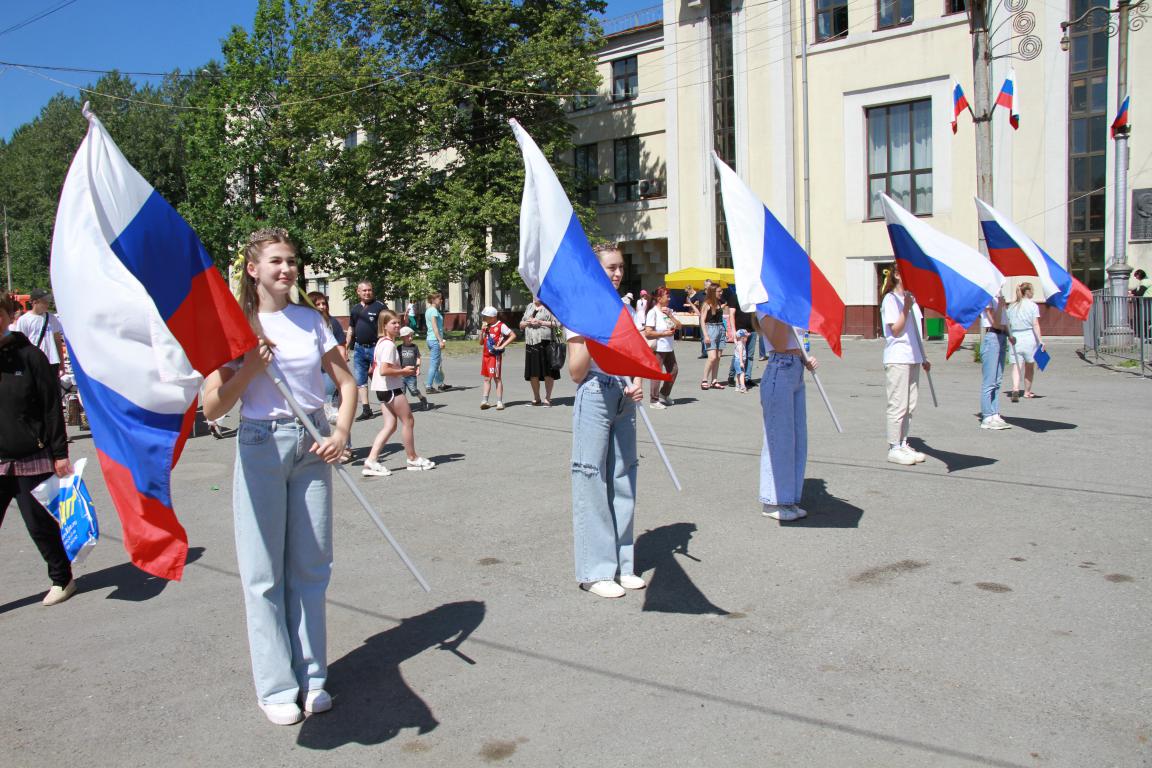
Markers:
{"x": 1008, "y": 98}
{"x": 959, "y": 103}
{"x": 943, "y": 273}
{"x": 147, "y": 314}
{"x": 1014, "y": 253}
{"x": 559, "y": 267}
{"x": 774, "y": 275}
{"x": 1121, "y": 121}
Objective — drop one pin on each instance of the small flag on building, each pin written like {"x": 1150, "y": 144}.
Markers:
{"x": 959, "y": 103}
{"x": 1007, "y": 98}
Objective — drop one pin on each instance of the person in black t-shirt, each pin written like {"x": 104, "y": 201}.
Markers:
{"x": 361, "y": 340}
{"x": 410, "y": 356}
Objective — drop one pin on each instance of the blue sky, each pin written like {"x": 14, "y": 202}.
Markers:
{"x": 128, "y": 35}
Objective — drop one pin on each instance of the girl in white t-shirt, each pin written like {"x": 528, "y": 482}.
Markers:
{"x": 388, "y": 383}
{"x": 282, "y": 487}
{"x": 1024, "y": 339}
{"x": 903, "y": 357}
{"x": 660, "y": 326}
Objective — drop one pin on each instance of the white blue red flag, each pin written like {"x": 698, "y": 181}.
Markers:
{"x": 1014, "y": 253}
{"x": 1121, "y": 121}
{"x": 959, "y": 103}
{"x": 559, "y": 267}
{"x": 774, "y": 275}
{"x": 1008, "y": 98}
{"x": 147, "y": 313}
{"x": 943, "y": 273}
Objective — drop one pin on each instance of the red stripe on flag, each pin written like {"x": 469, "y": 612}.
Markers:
{"x": 925, "y": 285}
{"x": 827, "y": 316}
{"x": 210, "y": 325}
{"x": 1079, "y": 302}
{"x": 1011, "y": 261}
{"x": 153, "y": 537}
{"x": 956, "y": 333}
{"x": 627, "y": 353}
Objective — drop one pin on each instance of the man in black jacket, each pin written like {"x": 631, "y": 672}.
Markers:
{"x": 33, "y": 445}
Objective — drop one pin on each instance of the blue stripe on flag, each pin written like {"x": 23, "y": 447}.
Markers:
{"x": 1060, "y": 277}
{"x": 786, "y": 272}
{"x": 162, "y": 252}
{"x": 577, "y": 290}
{"x": 965, "y": 299}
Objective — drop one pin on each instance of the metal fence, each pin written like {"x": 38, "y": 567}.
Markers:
{"x": 638, "y": 18}
{"x": 1119, "y": 331}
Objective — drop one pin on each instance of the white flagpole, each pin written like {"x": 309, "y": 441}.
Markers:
{"x": 816, "y": 378}
{"x": 277, "y": 377}
{"x": 655, "y": 439}
{"x": 923, "y": 356}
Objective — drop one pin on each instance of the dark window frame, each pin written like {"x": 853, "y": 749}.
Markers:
{"x": 586, "y": 167}
{"x": 952, "y": 7}
{"x": 836, "y": 14}
{"x": 897, "y": 21}
{"x": 625, "y": 79}
{"x": 626, "y": 180}
{"x": 912, "y": 172}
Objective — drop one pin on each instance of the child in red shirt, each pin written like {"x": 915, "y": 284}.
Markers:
{"x": 494, "y": 337}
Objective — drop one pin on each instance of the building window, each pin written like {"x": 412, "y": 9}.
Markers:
{"x": 587, "y": 174}
{"x": 893, "y": 13}
{"x": 723, "y": 114}
{"x": 627, "y": 169}
{"x": 831, "y": 19}
{"x": 900, "y": 156}
{"x": 624, "y": 80}
{"x": 955, "y": 6}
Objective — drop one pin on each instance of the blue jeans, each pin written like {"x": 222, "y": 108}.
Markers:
{"x": 435, "y": 375}
{"x": 993, "y": 350}
{"x": 604, "y": 463}
{"x": 785, "y": 450}
{"x": 749, "y": 357}
{"x": 282, "y": 504}
{"x": 361, "y": 362}
{"x": 412, "y": 387}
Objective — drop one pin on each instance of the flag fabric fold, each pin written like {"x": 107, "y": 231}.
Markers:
{"x": 959, "y": 103}
{"x": 146, "y": 315}
{"x": 1121, "y": 121}
{"x": 558, "y": 266}
{"x": 773, "y": 273}
{"x": 1014, "y": 253}
{"x": 943, "y": 273}
{"x": 1007, "y": 98}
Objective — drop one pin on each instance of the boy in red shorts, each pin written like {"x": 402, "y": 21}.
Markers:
{"x": 494, "y": 337}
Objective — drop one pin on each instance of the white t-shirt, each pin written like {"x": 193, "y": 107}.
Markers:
{"x": 992, "y": 310}
{"x": 641, "y": 312}
{"x": 1022, "y": 314}
{"x": 902, "y": 348}
{"x": 659, "y": 322}
{"x": 30, "y": 324}
{"x": 301, "y": 337}
{"x": 386, "y": 352}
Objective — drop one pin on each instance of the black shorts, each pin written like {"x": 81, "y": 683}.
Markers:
{"x": 388, "y": 395}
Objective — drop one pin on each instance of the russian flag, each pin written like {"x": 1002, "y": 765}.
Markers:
{"x": 773, "y": 273}
{"x": 558, "y": 265}
{"x": 959, "y": 103}
{"x": 1007, "y": 98}
{"x": 146, "y": 311}
{"x": 1121, "y": 121}
{"x": 1014, "y": 253}
{"x": 943, "y": 274}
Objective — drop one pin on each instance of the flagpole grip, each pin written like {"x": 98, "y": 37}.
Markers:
{"x": 819, "y": 385}
{"x": 277, "y": 378}
{"x": 924, "y": 356}
{"x": 655, "y": 439}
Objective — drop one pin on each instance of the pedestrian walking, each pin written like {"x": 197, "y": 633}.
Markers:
{"x": 641, "y": 311}
{"x": 538, "y": 325}
{"x": 903, "y": 359}
{"x": 993, "y": 351}
{"x": 739, "y": 360}
{"x": 43, "y": 329}
{"x": 388, "y": 384}
{"x": 660, "y": 328}
{"x": 410, "y": 358}
{"x": 1024, "y": 338}
{"x": 495, "y": 336}
{"x": 361, "y": 340}
{"x": 740, "y": 320}
{"x": 434, "y": 322}
{"x": 712, "y": 326}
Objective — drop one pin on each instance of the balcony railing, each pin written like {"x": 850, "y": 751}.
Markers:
{"x": 639, "y": 18}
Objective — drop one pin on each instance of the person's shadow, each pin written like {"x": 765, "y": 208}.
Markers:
{"x": 372, "y": 701}
{"x": 824, "y": 509}
{"x": 953, "y": 461}
{"x": 1038, "y": 425}
{"x": 670, "y": 590}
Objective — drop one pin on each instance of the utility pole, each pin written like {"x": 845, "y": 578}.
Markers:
{"x": 981, "y": 106}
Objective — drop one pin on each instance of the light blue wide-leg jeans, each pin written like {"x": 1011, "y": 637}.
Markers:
{"x": 993, "y": 349}
{"x": 435, "y": 376}
{"x": 282, "y": 501}
{"x": 604, "y": 464}
{"x": 785, "y": 451}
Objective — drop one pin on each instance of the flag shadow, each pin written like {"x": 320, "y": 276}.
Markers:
{"x": 954, "y": 462}
{"x": 670, "y": 590}
{"x": 1038, "y": 425}
{"x": 824, "y": 509}
{"x": 372, "y": 699}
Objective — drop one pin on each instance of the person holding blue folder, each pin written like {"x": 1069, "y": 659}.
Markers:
{"x": 1025, "y": 340}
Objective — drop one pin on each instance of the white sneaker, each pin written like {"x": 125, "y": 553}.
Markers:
{"x": 657, "y": 406}
{"x": 632, "y": 581}
{"x": 375, "y": 469}
{"x": 317, "y": 701}
{"x": 499, "y": 405}
{"x": 800, "y": 513}
{"x": 603, "y": 588}
{"x": 991, "y": 422}
{"x": 282, "y": 714}
{"x": 783, "y": 513}
{"x": 484, "y": 405}
{"x": 419, "y": 464}
{"x": 899, "y": 456}
{"x": 57, "y": 595}
{"x": 920, "y": 457}
{"x": 1000, "y": 420}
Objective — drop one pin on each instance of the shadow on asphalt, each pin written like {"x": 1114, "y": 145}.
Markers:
{"x": 824, "y": 509}
{"x": 670, "y": 590}
{"x": 1038, "y": 425}
{"x": 953, "y": 461}
{"x": 373, "y": 699}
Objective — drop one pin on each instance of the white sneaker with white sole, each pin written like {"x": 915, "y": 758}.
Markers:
{"x": 375, "y": 469}
{"x": 419, "y": 464}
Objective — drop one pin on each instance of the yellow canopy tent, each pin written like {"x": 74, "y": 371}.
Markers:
{"x": 695, "y": 277}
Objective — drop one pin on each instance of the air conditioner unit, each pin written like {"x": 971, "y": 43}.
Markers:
{"x": 651, "y": 187}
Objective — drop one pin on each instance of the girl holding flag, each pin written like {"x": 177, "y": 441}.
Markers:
{"x": 903, "y": 357}
{"x": 282, "y": 491}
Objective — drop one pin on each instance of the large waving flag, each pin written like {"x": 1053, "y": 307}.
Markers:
{"x": 943, "y": 274}
{"x": 773, "y": 273}
{"x": 1008, "y": 98}
{"x": 145, "y": 310}
{"x": 558, "y": 265}
{"x": 959, "y": 103}
{"x": 1014, "y": 253}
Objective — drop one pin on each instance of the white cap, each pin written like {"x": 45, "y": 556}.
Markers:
{"x": 488, "y": 312}
{"x": 405, "y": 331}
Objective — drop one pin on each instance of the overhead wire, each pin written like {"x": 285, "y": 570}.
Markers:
{"x": 37, "y": 16}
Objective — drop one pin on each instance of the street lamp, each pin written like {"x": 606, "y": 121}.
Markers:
{"x": 1128, "y": 16}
